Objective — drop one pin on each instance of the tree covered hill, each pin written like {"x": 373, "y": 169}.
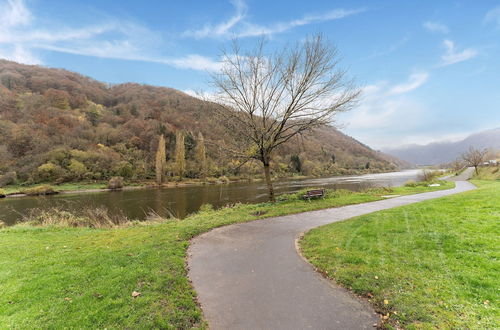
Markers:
{"x": 57, "y": 126}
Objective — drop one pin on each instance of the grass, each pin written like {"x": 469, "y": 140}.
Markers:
{"x": 429, "y": 265}
{"x": 488, "y": 173}
{"x": 17, "y": 189}
{"x": 61, "y": 277}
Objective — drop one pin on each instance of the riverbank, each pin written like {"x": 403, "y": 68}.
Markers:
{"x": 429, "y": 265}
{"x": 90, "y": 187}
{"x": 102, "y": 186}
{"x": 86, "y": 278}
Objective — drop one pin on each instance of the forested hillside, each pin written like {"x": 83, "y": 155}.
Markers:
{"x": 58, "y": 126}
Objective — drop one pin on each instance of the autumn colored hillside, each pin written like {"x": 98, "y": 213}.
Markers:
{"x": 59, "y": 126}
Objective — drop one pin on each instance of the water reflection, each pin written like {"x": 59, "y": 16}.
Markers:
{"x": 182, "y": 201}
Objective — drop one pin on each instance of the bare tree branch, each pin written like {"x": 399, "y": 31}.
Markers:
{"x": 265, "y": 99}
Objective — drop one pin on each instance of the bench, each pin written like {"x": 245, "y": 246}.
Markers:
{"x": 317, "y": 193}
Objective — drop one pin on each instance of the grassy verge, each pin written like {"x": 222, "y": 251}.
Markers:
{"x": 488, "y": 173}
{"x": 429, "y": 265}
{"x": 84, "y": 278}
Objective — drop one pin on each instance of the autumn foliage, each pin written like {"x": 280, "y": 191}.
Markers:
{"x": 58, "y": 126}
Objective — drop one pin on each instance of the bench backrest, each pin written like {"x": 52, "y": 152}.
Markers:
{"x": 315, "y": 192}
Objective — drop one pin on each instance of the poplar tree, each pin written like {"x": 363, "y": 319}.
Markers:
{"x": 201, "y": 156}
{"x": 161, "y": 161}
{"x": 180, "y": 154}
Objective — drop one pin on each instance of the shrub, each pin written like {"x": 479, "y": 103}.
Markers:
{"x": 40, "y": 190}
{"x": 115, "y": 183}
{"x": 2, "y": 193}
{"x": 124, "y": 169}
{"x": 77, "y": 169}
{"x": 211, "y": 180}
{"x": 206, "y": 207}
{"x": 49, "y": 172}
{"x": 223, "y": 179}
{"x": 428, "y": 175}
{"x": 8, "y": 178}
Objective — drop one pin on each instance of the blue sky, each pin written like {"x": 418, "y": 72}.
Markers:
{"x": 430, "y": 70}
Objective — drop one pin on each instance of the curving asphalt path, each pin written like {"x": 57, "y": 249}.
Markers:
{"x": 250, "y": 276}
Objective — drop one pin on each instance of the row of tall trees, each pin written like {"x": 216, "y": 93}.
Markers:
{"x": 180, "y": 157}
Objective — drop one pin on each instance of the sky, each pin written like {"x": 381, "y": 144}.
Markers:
{"x": 429, "y": 70}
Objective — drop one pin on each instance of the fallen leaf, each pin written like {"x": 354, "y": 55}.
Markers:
{"x": 386, "y": 301}
{"x": 486, "y": 302}
{"x": 67, "y": 299}
{"x": 136, "y": 294}
{"x": 369, "y": 295}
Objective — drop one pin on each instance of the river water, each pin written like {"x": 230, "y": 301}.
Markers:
{"x": 182, "y": 201}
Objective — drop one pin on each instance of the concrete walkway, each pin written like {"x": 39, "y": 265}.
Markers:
{"x": 250, "y": 276}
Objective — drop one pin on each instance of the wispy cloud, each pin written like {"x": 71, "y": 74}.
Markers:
{"x": 22, "y": 37}
{"x": 223, "y": 28}
{"x": 436, "y": 27}
{"x": 13, "y": 13}
{"x": 237, "y": 26}
{"x": 493, "y": 16}
{"x": 391, "y": 49}
{"x": 386, "y": 106}
{"x": 453, "y": 55}
{"x": 415, "y": 81}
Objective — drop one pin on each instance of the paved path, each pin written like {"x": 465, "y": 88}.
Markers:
{"x": 465, "y": 175}
{"x": 250, "y": 276}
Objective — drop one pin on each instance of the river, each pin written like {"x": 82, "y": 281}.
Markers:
{"x": 182, "y": 201}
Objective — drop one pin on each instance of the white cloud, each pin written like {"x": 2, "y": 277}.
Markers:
{"x": 18, "y": 53}
{"x": 238, "y": 27}
{"x": 452, "y": 55}
{"x": 22, "y": 36}
{"x": 436, "y": 27}
{"x": 386, "y": 112}
{"x": 13, "y": 13}
{"x": 415, "y": 81}
{"x": 221, "y": 28}
{"x": 493, "y": 16}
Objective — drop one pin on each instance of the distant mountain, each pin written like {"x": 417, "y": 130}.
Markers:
{"x": 443, "y": 152}
{"x": 57, "y": 125}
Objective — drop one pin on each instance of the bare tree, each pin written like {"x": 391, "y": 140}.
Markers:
{"x": 474, "y": 157}
{"x": 268, "y": 98}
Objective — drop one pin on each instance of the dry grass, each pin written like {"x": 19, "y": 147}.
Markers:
{"x": 39, "y": 190}
{"x": 89, "y": 218}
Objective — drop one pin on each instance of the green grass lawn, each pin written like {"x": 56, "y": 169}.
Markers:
{"x": 433, "y": 264}
{"x": 84, "y": 278}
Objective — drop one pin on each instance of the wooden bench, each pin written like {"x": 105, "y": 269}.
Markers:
{"x": 317, "y": 193}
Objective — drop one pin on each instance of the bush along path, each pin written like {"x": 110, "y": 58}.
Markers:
{"x": 250, "y": 276}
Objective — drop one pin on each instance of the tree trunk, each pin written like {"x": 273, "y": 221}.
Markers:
{"x": 267, "y": 173}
